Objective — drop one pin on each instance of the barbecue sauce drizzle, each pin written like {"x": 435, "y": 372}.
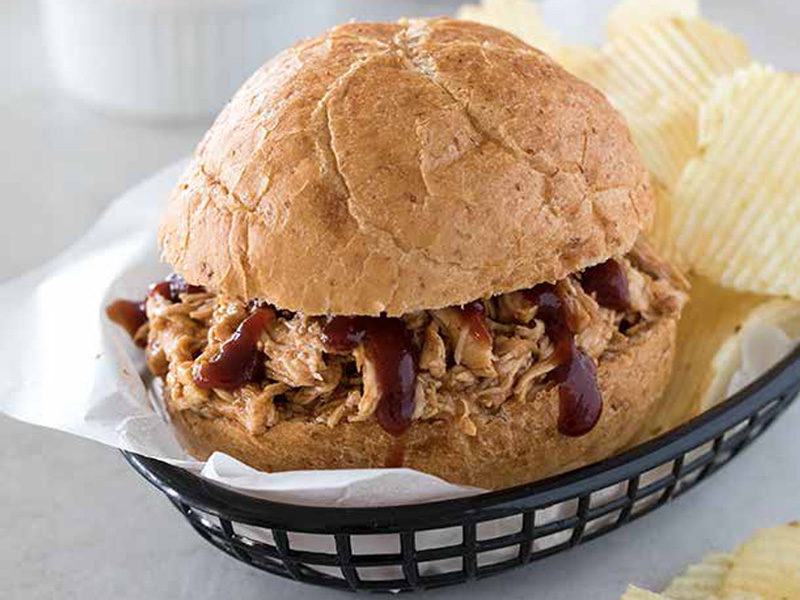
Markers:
{"x": 130, "y": 315}
{"x": 609, "y": 284}
{"x": 390, "y": 348}
{"x": 474, "y": 316}
{"x": 580, "y": 402}
{"x": 173, "y": 286}
{"x": 238, "y": 361}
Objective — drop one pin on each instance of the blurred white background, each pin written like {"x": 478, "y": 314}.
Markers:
{"x": 77, "y": 523}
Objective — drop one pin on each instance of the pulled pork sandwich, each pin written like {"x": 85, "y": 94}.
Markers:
{"x": 412, "y": 244}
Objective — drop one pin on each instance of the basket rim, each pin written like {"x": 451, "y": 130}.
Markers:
{"x": 183, "y": 486}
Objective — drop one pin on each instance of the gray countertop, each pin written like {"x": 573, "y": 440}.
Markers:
{"x": 78, "y": 523}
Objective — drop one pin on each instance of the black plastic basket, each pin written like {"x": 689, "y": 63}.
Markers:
{"x": 443, "y": 543}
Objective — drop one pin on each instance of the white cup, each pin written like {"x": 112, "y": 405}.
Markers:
{"x": 170, "y": 59}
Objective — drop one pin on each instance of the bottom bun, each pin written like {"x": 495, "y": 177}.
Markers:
{"x": 516, "y": 444}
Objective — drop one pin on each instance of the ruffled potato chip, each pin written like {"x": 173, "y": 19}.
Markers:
{"x": 736, "y": 209}
{"x": 666, "y": 138}
{"x": 575, "y": 58}
{"x": 635, "y": 593}
{"x": 658, "y": 75}
{"x": 521, "y": 18}
{"x": 713, "y": 316}
{"x": 726, "y": 340}
{"x": 766, "y": 566}
{"x": 630, "y": 13}
{"x": 702, "y": 580}
{"x": 768, "y": 333}
{"x": 660, "y": 234}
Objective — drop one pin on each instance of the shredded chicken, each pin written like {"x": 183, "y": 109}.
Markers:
{"x": 460, "y": 373}
{"x": 433, "y": 357}
{"x": 470, "y": 350}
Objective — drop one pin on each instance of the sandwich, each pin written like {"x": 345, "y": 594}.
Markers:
{"x": 415, "y": 244}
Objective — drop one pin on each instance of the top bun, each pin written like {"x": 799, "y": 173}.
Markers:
{"x": 395, "y": 167}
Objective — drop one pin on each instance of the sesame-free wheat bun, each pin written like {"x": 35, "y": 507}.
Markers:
{"x": 413, "y": 244}
{"x": 389, "y": 168}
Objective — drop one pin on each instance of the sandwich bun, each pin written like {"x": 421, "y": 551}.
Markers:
{"x": 393, "y": 167}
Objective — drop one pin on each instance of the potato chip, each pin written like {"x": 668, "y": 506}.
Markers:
{"x": 712, "y": 316}
{"x": 666, "y": 138}
{"x": 660, "y": 234}
{"x": 574, "y": 58}
{"x": 767, "y": 565}
{"x": 635, "y": 593}
{"x": 521, "y": 18}
{"x": 630, "y": 13}
{"x": 781, "y": 313}
{"x": 736, "y": 212}
{"x": 766, "y": 336}
{"x": 702, "y": 580}
{"x": 657, "y": 75}
{"x": 719, "y": 349}
{"x": 679, "y": 59}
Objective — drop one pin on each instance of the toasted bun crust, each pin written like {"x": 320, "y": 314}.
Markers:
{"x": 517, "y": 445}
{"x": 398, "y": 167}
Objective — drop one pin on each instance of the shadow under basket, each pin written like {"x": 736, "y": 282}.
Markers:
{"x": 436, "y": 544}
